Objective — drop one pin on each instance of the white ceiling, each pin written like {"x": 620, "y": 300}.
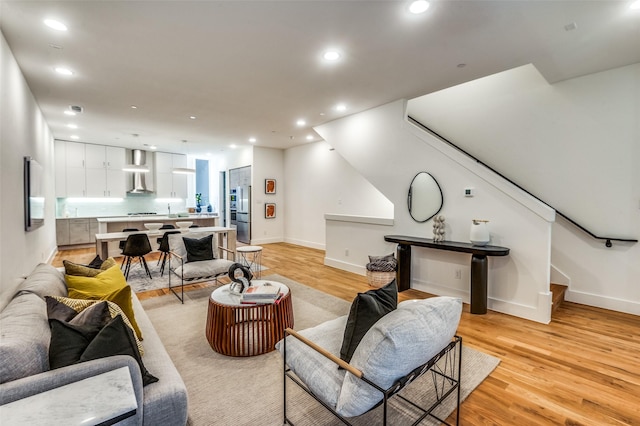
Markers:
{"x": 252, "y": 68}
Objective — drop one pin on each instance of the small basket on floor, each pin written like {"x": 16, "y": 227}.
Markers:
{"x": 380, "y": 279}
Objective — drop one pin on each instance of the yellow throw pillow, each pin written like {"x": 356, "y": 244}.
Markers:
{"x": 107, "y": 285}
{"x": 71, "y": 268}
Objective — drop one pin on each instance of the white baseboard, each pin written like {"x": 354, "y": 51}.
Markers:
{"x": 604, "y": 302}
{"x": 350, "y": 267}
{"x": 258, "y": 241}
{"x": 304, "y": 243}
{"x": 540, "y": 313}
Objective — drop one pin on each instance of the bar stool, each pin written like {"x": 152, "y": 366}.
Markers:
{"x": 251, "y": 257}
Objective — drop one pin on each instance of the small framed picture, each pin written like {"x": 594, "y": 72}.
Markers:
{"x": 269, "y": 186}
{"x": 270, "y": 210}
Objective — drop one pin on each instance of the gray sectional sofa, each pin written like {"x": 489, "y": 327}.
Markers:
{"x": 24, "y": 346}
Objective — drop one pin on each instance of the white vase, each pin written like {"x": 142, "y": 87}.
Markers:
{"x": 479, "y": 235}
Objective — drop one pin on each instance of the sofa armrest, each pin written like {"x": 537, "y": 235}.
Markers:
{"x": 231, "y": 252}
{"x": 38, "y": 383}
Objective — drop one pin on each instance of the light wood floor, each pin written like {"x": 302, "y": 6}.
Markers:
{"x": 582, "y": 369}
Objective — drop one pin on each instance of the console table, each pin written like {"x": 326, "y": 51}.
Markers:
{"x": 479, "y": 264}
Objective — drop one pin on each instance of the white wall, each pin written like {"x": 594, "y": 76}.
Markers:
{"x": 388, "y": 151}
{"x": 320, "y": 181}
{"x": 575, "y": 144}
{"x": 23, "y": 132}
{"x": 268, "y": 164}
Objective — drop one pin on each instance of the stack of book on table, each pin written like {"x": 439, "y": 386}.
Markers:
{"x": 265, "y": 293}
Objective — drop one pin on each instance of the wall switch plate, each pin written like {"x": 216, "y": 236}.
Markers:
{"x": 468, "y": 192}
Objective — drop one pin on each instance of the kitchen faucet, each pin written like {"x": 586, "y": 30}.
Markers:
{"x": 169, "y": 207}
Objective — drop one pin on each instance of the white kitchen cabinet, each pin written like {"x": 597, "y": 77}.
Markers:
{"x": 60, "y": 165}
{"x": 169, "y": 184}
{"x": 104, "y": 174}
{"x": 86, "y": 170}
{"x": 75, "y": 180}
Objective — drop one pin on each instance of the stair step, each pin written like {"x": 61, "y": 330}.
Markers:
{"x": 558, "y": 291}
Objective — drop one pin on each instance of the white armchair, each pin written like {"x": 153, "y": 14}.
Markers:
{"x": 415, "y": 338}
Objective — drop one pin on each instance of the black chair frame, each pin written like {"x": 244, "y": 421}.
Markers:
{"x": 446, "y": 381}
{"x": 126, "y": 262}
{"x": 164, "y": 249}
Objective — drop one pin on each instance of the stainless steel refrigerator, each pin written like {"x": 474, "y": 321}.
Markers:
{"x": 243, "y": 214}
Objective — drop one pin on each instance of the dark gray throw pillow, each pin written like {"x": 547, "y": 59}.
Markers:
{"x": 366, "y": 309}
{"x": 73, "y": 343}
{"x": 116, "y": 338}
{"x": 199, "y": 249}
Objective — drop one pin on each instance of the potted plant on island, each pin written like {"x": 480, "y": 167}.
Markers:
{"x": 198, "y": 202}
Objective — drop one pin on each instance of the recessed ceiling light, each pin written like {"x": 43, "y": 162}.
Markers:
{"x": 301, "y": 123}
{"x": 418, "y": 6}
{"x": 461, "y": 65}
{"x": 72, "y": 126}
{"x": 232, "y": 146}
{"x": 331, "y": 55}
{"x": 68, "y": 112}
{"x": 252, "y": 140}
{"x": 192, "y": 117}
{"x": 56, "y": 25}
{"x": 64, "y": 71}
{"x": 571, "y": 26}
{"x": 341, "y": 107}
{"x": 635, "y": 5}
{"x": 134, "y": 107}
{"x": 309, "y": 137}
{"x": 75, "y": 137}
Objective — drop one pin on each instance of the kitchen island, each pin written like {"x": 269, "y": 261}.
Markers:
{"x": 104, "y": 241}
{"x": 109, "y": 225}
{"x": 117, "y": 224}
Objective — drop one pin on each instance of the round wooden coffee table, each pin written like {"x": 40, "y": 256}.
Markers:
{"x": 237, "y": 329}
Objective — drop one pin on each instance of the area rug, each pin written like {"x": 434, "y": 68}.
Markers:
{"x": 139, "y": 281}
{"x": 248, "y": 391}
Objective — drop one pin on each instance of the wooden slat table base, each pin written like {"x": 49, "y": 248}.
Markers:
{"x": 248, "y": 330}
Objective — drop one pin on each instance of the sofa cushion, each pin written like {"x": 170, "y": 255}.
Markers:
{"x": 366, "y": 309}
{"x": 71, "y": 268}
{"x": 204, "y": 268}
{"x": 44, "y": 280}
{"x": 320, "y": 374}
{"x": 107, "y": 285}
{"x": 24, "y": 338}
{"x": 397, "y": 344}
{"x": 198, "y": 249}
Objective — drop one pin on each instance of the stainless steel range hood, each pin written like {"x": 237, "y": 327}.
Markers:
{"x": 139, "y": 162}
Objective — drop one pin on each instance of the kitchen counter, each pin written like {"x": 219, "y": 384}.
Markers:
{"x": 154, "y": 218}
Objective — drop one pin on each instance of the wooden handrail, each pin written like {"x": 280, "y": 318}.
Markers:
{"x": 322, "y": 351}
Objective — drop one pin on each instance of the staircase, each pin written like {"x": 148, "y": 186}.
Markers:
{"x": 558, "y": 296}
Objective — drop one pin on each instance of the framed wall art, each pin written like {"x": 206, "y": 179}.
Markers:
{"x": 269, "y": 210}
{"x": 269, "y": 186}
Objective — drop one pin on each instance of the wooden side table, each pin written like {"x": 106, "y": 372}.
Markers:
{"x": 236, "y": 329}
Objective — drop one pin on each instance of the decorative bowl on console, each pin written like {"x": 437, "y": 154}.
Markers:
{"x": 153, "y": 226}
{"x": 184, "y": 225}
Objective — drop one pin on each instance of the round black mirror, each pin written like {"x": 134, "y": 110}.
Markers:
{"x": 425, "y": 197}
